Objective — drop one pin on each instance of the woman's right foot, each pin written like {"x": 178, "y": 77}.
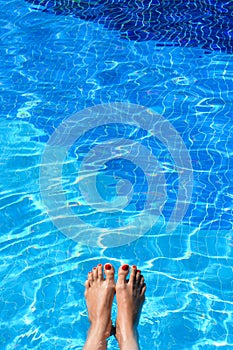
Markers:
{"x": 130, "y": 296}
{"x": 99, "y": 294}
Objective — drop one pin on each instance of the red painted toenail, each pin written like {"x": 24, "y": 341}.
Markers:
{"x": 125, "y": 267}
{"x": 94, "y": 268}
{"x": 99, "y": 264}
{"x": 108, "y": 267}
{"x": 134, "y": 266}
{"x": 138, "y": 271}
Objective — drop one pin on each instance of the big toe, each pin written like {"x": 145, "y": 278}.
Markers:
{"x": 122, "y": 273}
{"x": 109, "y": 272}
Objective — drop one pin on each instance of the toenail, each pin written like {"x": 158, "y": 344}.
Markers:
{"x": 89, "y": 272}
{"x": 94, "y": 268}
{"x": 134, "y": 266}
{"x": 99, "y": 264}
{"x": 125, "y": 267}
{"x": 138, "y": 271}
{"x": 108, "y": 267}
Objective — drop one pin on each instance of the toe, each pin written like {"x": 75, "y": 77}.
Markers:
{"x": 141, "y": 282}
{"x": 138, "y": 277}
{"x": 122, "y": 273}
{"x": 133, "y": 274}
{"x": 142, "y": 285}
{"x": 100, "y": 272}
{"x": 90, "y": 278}
{"x": 87, "y": 285}
{"x": 95, "y": 273}
{"x": 143, "y": 289}
{"x": 109, "y": 272}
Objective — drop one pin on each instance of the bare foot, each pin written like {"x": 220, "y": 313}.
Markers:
{"x": 99, "y": 294}
{"x": 130, "y": 297}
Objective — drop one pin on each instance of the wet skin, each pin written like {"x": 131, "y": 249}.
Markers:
{"x": 99, "y": 294}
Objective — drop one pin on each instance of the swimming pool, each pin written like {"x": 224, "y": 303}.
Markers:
{"x": 59, "y": 60}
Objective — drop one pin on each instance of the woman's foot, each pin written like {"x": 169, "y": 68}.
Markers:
{"x": 130, "y": 296}
{"x": 99, "y": 294}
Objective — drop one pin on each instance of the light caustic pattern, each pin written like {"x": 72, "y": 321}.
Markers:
{"x": 138, "y": 222}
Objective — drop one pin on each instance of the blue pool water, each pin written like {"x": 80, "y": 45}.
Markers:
{"x": 172, "y": 58}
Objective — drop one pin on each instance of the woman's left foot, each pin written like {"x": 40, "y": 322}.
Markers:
{"x": 99, "y": 294}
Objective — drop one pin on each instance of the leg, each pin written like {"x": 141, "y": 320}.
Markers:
{"x": 99, "y": 294}
{"x": 130, "y": 297}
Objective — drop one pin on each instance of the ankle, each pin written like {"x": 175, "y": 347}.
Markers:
{"x": 96, "y": 339}
{"x": 97, "y": 331}
{"x": 126, "y": 335}
{"x": 129, "y": 343}
{"x": 94, "y": 344}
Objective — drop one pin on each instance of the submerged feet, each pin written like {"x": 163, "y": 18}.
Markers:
{"x": 99, "y": 295}
{"x": 130, "y": 296}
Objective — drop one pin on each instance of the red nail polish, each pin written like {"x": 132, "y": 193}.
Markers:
{"x": 138, "y": 271}
{"x": 94, "y": 268}
{"x": 108, "y": 267}
{"x": 125, "y": 267}
{"x": 99, "y": 264}
{"x": 134, "y": 266}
